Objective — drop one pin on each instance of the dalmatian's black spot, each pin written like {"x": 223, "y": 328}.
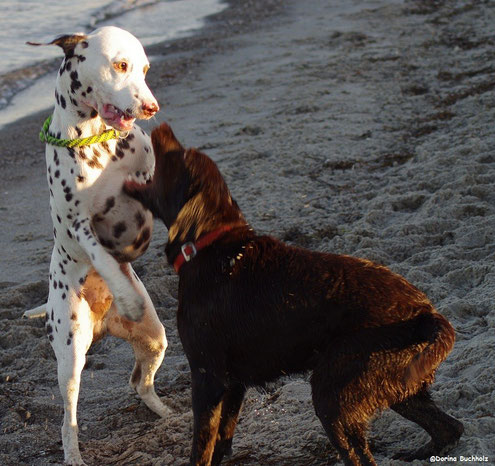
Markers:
{"x": 83, "y": 94}
{"x": 146, "y": 149}
{"x": 81, "y": 58}
{"x": 107, "y": 243}
{"x": 82, "y": 280}
{"x": 118, "y": 229}
{"x": 63, "y": 182}
{"x": 59, "y": 219}
{"x": 62, "y": 101}
{"x": 69, "y": 341}
{"x": 89, "y": 90}
{"x": 64, "y": 296}
{"x": 81, "y": 114}
{"x": 68, "y": 197}
{"x": 50, "y": 180}
{"x": 84, "y": 44}
{"x": 59, "y": 135}
{"x": 51, "y": 193}
{"x": 55, "y": 284}
{"x": 57, "y": 173}
{"x": 114, "y": 159}
{"x": 130, "y": 137}
{"x": 52, "y": 317}
{"x": 75, "y": 83}
{"x": 138, "y": 174}
{"x": 133, "y": 150}
{"x": 49, "y": 169}
{"x": 94, "y": 163}
{"x": 69, "y": 234}
{"x": 73, "y": 102}
{"x": 139, "y": 219}
{"x": 50, "y": 337}
{"x": 77, "y": 203}
{"x": 72, "y": 153}
{"x": 97, "y": 218}
{"x": 54, "y": 233}
{"x": 109, "y": 204}
{"x": 58, "y": 321}
{"x": 49, "y": 329}
{"x": 68, "y": 66}
{"x": 55, "y": 157}
{"x": 56, "y": 97}
{"x": 60, "y": 285}
{"x": 119, "y": 153}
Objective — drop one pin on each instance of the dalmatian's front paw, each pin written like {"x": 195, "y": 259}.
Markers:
{"x": 141, "y": 177}
{"x": 131, "y": 306}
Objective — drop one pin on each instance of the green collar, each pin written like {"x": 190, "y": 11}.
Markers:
{"x": 45, "y": 136}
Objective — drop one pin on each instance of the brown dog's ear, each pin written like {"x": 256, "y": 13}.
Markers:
{"x": 164, "y": 140}
{"x": 68, "y": 42}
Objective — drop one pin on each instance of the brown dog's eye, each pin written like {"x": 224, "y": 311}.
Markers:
{"x": 145, "y": 69}
{"x": 121, "y": 66}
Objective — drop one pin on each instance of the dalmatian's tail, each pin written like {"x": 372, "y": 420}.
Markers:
{"x": 35, "y": 313}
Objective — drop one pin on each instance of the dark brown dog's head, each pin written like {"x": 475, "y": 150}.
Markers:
{"x": 187, "y": 192}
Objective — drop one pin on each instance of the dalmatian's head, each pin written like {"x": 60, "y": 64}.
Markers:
{"x": 106, "y": 71}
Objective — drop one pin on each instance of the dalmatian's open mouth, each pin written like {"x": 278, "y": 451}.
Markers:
{"x": 116, "y": 118}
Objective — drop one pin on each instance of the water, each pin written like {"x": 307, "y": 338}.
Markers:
{"x": 27, "y": 74}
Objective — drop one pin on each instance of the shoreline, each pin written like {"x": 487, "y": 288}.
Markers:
{"x": 238, "y": 14}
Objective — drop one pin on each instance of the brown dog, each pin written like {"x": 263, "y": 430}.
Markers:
{"x": 252, "y": 308}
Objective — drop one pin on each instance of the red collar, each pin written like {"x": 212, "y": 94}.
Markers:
{"x": 189, "y": 250}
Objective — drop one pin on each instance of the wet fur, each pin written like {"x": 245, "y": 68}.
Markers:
{"x": 252, "y": 308}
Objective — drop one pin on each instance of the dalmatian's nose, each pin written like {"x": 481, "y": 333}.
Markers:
{"x": 149, "y": 109}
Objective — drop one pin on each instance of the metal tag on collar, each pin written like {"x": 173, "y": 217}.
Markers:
{"x": 188, "y": 251}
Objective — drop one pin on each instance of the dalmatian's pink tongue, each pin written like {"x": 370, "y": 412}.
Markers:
{"x": 117, "y": 118}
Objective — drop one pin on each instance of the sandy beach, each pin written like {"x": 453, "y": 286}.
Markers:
{"x": 354, "y": 127}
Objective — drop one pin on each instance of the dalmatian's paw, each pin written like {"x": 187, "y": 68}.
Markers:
{"x": 130, "y": 306}
{"x": 140, "y": 177}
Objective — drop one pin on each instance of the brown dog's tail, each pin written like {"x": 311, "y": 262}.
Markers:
{"x": 440, "y": 342}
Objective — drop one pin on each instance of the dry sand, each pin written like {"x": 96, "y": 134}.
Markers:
{"x": 357, "y": 127}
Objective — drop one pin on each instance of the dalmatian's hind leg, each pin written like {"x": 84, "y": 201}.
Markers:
{"x": 70, "y": 332}
{"x": 149, "y": 343}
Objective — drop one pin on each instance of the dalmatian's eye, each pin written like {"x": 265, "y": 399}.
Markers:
{"x": 121, "y": 66}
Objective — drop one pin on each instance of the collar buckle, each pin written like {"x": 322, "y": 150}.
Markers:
{"x": 188, "y": 251}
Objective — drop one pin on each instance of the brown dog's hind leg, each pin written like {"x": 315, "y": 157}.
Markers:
{"x": 444, "y": 430}
{"x": 231, "y": 406}
{"x": 343, "y": 406}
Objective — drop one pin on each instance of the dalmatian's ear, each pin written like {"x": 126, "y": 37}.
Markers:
{"x": 67, "y": 41}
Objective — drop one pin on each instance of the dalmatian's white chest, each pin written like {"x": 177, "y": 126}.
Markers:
{"x": 90, "y": 179}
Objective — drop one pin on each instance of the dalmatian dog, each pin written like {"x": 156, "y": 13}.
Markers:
{"x": 98, "y": 230}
